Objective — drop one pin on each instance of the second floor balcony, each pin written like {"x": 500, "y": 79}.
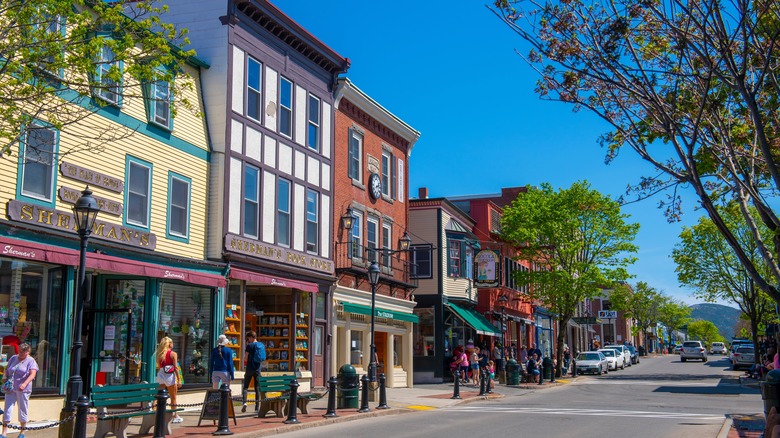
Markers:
{"x": 396, "y": 270}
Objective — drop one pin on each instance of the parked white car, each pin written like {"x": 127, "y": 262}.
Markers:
{"x": 623, "y": 351}
{"x": 592, "y": 362}
{"x": 614, "y": 358}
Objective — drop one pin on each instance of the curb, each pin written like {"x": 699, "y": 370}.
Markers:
{"x": 726, "y": 428}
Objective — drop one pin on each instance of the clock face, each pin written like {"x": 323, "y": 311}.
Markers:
{"x": 375, "y": 186}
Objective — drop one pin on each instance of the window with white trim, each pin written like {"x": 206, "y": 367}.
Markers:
{"x": 179, "y": 207}
{"x": 254, "y": 101}
{"x": 38, "y": 158}
{"x": 161, "y": 103}
{"x": 454, "y": 259}
{"x": 372, "y": 239}
{"x": 387, "y": 160}
{"x": 283, "y": 212}
{"x": 108, "y": 89}
{"x": 312, "y": 223}
{"x": 139, "y": 184}
{"x": 356, "y": 235}
{"x": 285, "y": 107}
{"x": 387, "y": 232}
{"x": 313, "y": 138}
{"x": 251, "y": 201}
{"x": 355, "y": 154}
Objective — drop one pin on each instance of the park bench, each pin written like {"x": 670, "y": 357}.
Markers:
{"x": 115, "y": 408}
{"x": 275, "y": 394}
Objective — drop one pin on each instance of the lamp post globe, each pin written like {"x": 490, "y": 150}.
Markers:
{"x": 373, "y": 279}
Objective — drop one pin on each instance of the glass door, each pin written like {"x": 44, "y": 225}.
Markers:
{"x": 119, "y": 333}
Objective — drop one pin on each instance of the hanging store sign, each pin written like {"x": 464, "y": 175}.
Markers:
{"x": 264, "y": 251}
{"x": 64, "y": 221}
{"x": 487, "y": 264}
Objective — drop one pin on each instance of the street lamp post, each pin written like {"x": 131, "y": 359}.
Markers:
{"x": 85, "y": 211}
{"x": 373, "y": 278}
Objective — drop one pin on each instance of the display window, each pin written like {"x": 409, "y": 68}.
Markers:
{"x": 121, "y": 336}
{"x": 31, "y": 311}
{"x": 185, "y": 317}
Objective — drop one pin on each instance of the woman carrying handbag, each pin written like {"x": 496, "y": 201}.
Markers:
{"x": 167, "y": 372}
{"x": 20, "y": 372}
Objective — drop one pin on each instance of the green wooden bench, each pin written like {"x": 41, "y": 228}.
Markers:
{"x": 120, "y": 399}
{"x": 275, "y": 394}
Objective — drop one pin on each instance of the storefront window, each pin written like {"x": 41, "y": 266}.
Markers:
{"x": 285, "y": 334}
{"x": 424, "y": 340}
{"x": 185, "y": 315}
{"x": 31, "y": 312}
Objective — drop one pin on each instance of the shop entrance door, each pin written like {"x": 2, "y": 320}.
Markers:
{"x": 317, "y": 368}
{"x": 118, "y": 324}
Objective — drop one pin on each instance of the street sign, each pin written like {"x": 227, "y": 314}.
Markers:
{"x": 586, "y": 320}
{"x": 608, "y": 314}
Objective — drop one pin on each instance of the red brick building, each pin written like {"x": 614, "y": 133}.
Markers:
{"x": 370, "y": 165}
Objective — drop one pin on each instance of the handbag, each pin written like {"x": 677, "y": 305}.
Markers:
{"x": 168, "y": 369}
{"x": 179, "y": 376}
{"x": 8, "y": 386}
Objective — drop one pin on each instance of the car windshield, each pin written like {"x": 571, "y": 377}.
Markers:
{"x": 608, "y": 353}
{"x": 588, "y": 356}
{"x": 744, "y": 350}
{"x": 631, "y": 349}
{"x": 691, "y": 344}
{"x": 717, "y": 344}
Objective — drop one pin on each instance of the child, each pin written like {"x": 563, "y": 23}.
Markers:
{"x": 491, "y": 369}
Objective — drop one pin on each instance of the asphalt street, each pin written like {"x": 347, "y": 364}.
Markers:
{"x": 660, "y": 397}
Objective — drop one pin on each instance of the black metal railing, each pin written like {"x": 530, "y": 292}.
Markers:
{"x": 394, "y": 265}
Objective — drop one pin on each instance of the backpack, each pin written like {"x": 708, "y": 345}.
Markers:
{"x": 259, "y": 355}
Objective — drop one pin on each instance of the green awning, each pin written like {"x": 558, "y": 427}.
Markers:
{"x": 475, "y": 320}
{"x": 380, "y": 313}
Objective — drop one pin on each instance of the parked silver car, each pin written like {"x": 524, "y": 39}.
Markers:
{"x": 743, "y": 357}
{"x": 592, "y": 362}
{"x": 693, "y": 350}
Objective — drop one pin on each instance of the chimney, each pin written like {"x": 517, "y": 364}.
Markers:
{"x": 422, "y": 193}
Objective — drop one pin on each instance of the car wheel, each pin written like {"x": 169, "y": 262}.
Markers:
{"x": 705, "y": 360}
{"x": 622, "y": 368}
{"x": 682, "y": 359}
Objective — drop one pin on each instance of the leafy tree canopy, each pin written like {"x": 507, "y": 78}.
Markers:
{"x": 691, "y": 87}
{"x": 50, "y": 51}
{"x": 704, "y": 331}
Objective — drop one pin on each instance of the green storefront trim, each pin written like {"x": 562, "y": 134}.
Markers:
{"x": 380, "y": 313}
{"x": 475, "y": 320}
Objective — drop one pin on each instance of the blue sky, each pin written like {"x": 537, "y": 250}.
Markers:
{"x": 450, "y": 70}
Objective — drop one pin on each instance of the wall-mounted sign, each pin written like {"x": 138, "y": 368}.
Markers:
{"x": 107, "y": 206}
{"x": 91, "y": 177}
{"x": 608, "y": 314}
{"x": 585, "y": 320}
{"x": 264, "y": 251}
{"x": 64, "y": 221}
{"x": 487, "y": 265}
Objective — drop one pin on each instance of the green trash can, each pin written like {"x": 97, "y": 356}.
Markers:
{"x": 770, "y": 391}
{"x": 348, "y": 388}
{"x": 547, "y": 368}
{"x": 512, "y": 372}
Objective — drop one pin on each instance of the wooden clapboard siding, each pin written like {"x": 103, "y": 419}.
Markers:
{"x": 424, "y": 225}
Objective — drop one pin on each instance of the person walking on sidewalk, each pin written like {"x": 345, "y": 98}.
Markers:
{"x": 566, "y": 360}
{"x": 221, "y": 364}
{"x": 254, "y": 357}
{"x": 498, "y": 356}
{"x": 20, "y": 370}
{"x": 474, "y": 365}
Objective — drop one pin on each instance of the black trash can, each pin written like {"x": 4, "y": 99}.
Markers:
{"x": 513, "y": 372}
{"x": 770, "y": 391}
{"x": 547, "y": 368}
{"x": 641, "y": 350}
{"x": 348, "y": 388}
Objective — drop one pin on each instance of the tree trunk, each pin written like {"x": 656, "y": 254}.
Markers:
{"x": 756, "y": 351}
{"x": 562, "y": 324}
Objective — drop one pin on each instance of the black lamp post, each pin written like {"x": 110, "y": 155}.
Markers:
{"x": 503, "y": 299}
{"x": 373, "y": 278}
{"x": 85, "y": 210}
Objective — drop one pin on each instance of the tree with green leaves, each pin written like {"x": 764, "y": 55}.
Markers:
{"x": 673, "y": 314}
{"x": 691, "y": 87}
{"x": 639, "y": 303}
{"x": 579, "y": 241}
{"x": 708, "y": 264}
{"x": 58, "y": 58}
{"x": 704, "y": 331}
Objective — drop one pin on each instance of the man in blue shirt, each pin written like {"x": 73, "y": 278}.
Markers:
{"x": 252, "y": 363}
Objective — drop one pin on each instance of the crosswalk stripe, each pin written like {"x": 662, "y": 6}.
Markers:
{"x": 588, "y": 412}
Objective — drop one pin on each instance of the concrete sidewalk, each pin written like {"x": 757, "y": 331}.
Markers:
{"x": 400, "y": 401}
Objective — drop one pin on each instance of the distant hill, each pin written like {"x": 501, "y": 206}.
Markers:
{"x": 724, "y": 317}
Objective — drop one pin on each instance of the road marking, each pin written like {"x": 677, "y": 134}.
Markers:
{"x": 644, "y": 383}
{"x": 589, "y": 412}
{"x": 420, "y": 408}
